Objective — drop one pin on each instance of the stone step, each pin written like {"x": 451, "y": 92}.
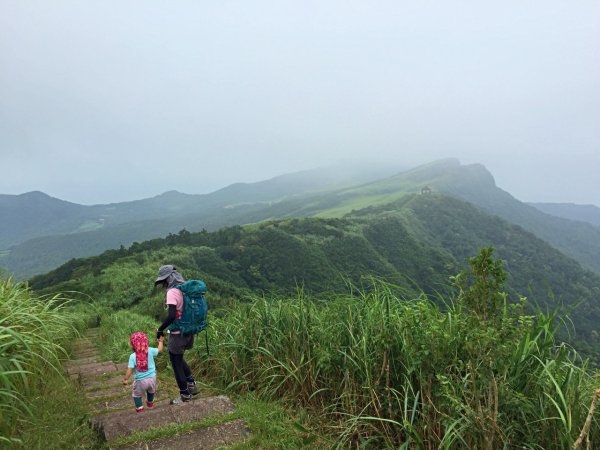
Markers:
{"x": 117, "y": 418}
{"x": 108, "y": 369}
{"x": 126, "y": 403}
{"x": 106, "y": 366}
{"x": 81, "y": 347}
{"x": 84, "y": 351}
{"x": 124, "y": 423}
{"x": 80, "y": 362}
{"x": 83, "y": 344}
{"x": 83, "y": 368}
{"x": 93, "y": 384}
{"x": 209, "y": 438}
{"x": 95, "y": 373}
{"x": 86, "y": 354}
{"x": 109, "y": 391}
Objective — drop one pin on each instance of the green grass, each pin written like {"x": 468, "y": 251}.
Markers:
{"x": 34, "y": 335}
{"x": 275, "y": 426}
{"x": 375, "y": 370}
{"x": 358, "y": 202}
{"x": 115, "y": 330}
{"x": 59, "y": 412}
{"x": 388, "y": 372}
{"x": 60, "y": 419}
{"x": 89, "y": 225}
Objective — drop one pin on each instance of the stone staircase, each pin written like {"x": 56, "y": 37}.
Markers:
{"x": 115, "y": 418}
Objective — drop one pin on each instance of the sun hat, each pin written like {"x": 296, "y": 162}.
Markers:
{"x": 164, "y": 272}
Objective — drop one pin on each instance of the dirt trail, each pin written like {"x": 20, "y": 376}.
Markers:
{"x": 115, "y": 418}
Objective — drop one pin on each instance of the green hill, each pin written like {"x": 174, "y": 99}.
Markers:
{"x": 475, "y": 184}
{"x": 416, "y": 242}
{"x": 472, "y": 183}
{"x": 38, "y": 232}
{"x": 25, "y": 216}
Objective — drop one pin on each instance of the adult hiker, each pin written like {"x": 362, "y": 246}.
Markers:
{"x": 178, "y": 342}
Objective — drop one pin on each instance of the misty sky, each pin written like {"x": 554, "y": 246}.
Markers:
{"x": 104, "y": 101}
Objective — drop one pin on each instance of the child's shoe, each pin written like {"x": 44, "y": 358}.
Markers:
{"x": 149, "y": 404}
{"x": 140, "y": 409}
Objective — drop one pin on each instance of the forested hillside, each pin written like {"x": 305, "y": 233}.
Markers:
{"x": 273, "y": 199}
{"x": 417, "y": 243}
{"x": 474, "y": 184}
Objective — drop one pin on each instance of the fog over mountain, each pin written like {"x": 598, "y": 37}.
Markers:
{"x": 119, "y": 100}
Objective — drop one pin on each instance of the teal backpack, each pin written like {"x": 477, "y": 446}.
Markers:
{"x": 195, "y": 309}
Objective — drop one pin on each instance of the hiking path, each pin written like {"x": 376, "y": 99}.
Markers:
{"x": 205, "y": 423}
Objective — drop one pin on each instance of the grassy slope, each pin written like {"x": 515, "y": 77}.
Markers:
{"x": 472, "y": 183}
{"x": 380, "y": 371}
{"x": 416, "y": 242}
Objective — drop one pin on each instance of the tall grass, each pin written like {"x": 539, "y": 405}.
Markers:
{"x": 404, "y": 373}
{"x": 390, "y": 372}
{"x": 117, "y": 327}
{"x": 33, "y": 335}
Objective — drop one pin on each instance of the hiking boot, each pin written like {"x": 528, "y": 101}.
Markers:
{"x": 193, "y": 388}
{"x": 181, "y": 400}
{"x": 149, "y": 404}
{"x": 140, "y": 409}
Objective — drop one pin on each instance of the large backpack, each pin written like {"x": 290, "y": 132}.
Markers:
{"x": 193, "y": 317}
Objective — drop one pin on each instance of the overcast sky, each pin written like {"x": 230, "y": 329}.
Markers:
{"x": 104, "y": 101}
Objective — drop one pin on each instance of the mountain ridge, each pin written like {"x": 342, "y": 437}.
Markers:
{"x": 584, "y": 213}
{"x": 17, "y": 215}
{"x": 472, "y": 183}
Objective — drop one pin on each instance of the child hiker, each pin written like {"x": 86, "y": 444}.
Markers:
{"x": 141, "y": 362}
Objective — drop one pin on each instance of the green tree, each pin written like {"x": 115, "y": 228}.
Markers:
{"x": 481, "y": 287}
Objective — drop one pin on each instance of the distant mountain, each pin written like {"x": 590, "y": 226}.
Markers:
{"x": 476, "y": 185}
{"x": 320, "y": 193}
{"x": 24, "y": 216}
{"x": 472, "y": 183}
{"x": 39, "y": 232}
{"x": 571, "y": 211}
